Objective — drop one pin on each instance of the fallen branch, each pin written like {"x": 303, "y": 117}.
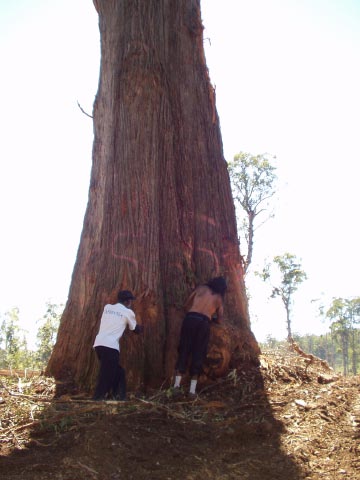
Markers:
{"x": 312, "y": 359}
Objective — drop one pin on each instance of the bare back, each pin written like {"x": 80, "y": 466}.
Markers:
{"x": 204, "y": 300}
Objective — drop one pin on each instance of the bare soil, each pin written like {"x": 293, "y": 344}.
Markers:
{"x": 284, "y": 420}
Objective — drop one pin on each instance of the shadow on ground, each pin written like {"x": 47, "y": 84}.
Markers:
{"x": 228, "y": 432}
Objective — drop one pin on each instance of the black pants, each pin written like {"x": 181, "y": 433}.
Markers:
{"x": 194, "y": 340}
{"x": 111, "y": 379}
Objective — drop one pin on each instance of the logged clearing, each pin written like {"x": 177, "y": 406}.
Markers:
{"x": 290, "y": 418}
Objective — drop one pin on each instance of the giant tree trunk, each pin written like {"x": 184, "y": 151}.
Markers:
{"x": 160, "y": 217}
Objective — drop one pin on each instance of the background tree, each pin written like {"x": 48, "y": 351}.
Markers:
{"x": 355, "y": 345}
{"x": 253, "y": 184}
{"x": 13, "y": 343}
{"x": 2, "y": 343}
{"x": 160, "y": 216}
{"x": 354, "y": 307}
{"x": 345, "y": 315}
{"x": 291, "y": 276}
{"x": 47, "y": 333}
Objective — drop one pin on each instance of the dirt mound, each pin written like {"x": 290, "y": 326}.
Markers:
{"x": 285, "y": 420}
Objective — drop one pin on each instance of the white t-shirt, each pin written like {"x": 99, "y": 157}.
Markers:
{"x": 112, "y": 325}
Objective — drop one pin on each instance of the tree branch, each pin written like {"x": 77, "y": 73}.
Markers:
{"x": 83, "y": 111}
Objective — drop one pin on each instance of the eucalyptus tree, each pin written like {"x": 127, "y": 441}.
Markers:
{"x": 160, "y": 216}
{"x": 12, "y": 340}
{"x": 47, "y": 332}
{"x": 253, "y": 181}
{"x": 344, "y": 314}
{"x": 291, "y": 276}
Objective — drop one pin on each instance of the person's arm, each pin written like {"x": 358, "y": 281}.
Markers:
{"x": 219, "y": 314}
{"x": 189, "y": 301}
{"x": 138, "y": 329}
{"x": 133, "y": 325}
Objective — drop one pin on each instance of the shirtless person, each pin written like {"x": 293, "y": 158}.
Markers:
{"x": 205, "y": 302}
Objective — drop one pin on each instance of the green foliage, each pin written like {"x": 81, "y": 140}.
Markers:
{"x": 253, "y": 180}
{"x": 291, "y": 276}
{"x": 253, "y": 184}
{"x": 344, "y": 314}
{"x": 13, "y": 345}
{"x": 47, "y": 332}
{"x": 272, "y": 343}
{"x": 14, "y": 352}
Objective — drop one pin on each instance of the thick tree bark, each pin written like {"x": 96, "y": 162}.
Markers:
{"x": 160, "y": 217}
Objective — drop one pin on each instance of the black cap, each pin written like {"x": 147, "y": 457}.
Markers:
{"x": 124, "y": 295}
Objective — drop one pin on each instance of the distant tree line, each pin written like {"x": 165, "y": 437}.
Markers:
{"x": 340, "y": 347}
{"x": 14, "y": 351}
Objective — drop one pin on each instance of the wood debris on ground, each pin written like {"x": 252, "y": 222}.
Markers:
{"x": 304, "y": 406}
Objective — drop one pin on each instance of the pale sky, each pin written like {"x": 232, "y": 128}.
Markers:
{"x": 287, "y": 82}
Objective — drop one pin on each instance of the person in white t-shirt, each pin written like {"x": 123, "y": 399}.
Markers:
{"x": 111, "y": 382}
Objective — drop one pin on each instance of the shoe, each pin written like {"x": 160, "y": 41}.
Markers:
{"x": 98, "y": 399}
{"x": 119, "y": 395}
